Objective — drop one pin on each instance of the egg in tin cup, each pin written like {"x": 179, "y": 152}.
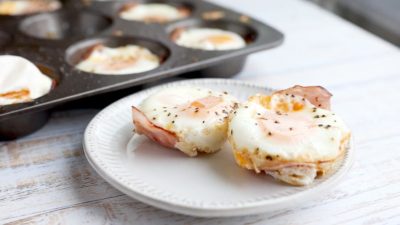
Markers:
{"x": 153, "y": 12}
{"x": 25, "y": 7}
{"x": 127, "y": 59}
{"x": 207, "y": 38}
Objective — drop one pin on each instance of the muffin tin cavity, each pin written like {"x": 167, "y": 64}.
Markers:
{"x": 248, "y": 34}
{"x": 64, "y": 25}
{"x": 81, "y": 50}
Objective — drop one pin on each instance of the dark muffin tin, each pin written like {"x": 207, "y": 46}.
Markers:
{"x": 56, "y": 41}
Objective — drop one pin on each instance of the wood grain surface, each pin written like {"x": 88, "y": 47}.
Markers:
{"x": 45, "y": 178}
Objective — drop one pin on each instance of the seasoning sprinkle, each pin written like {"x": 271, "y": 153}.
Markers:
{"x": 173, "y": 121}
{"x": 276, "y": 121}
{"x": 290, "y": 128}
{"x": 320, "y": 125}
{"x": 154, "y": 118}
{"x": 323, "y": 116}
{"x": 169, "y": 114}
{"x": 269, "y": 133}
{"x": 268, "y": 157}
{"x": 316, "y": 117}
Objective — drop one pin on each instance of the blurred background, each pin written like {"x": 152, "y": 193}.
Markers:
{"x": 381, "y": 17}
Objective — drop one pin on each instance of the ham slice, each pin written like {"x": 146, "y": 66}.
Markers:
{"x": 152, "y": 131}
{"x": 317, "y": 95}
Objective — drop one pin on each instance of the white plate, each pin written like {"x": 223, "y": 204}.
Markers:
{"x": 207, "y": 186}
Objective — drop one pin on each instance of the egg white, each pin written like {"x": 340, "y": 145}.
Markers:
{"x": 199, "y": 38}
{"x": 17, "y": 74}
{"x": 204, "y": 133}
{"x": 100, "y": 57}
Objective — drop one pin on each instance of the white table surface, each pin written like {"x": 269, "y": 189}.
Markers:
{"x": 45, "y": 178}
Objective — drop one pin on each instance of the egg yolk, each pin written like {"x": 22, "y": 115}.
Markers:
{"x": 207, "y": 102}
{"x": 219, "y": 39}
{"x": 7, "y": 7}
{"x": 117, "y": 63}
{"x": 242, "y": 159}
{"x": 262, "y": 100}
{"x": 297, "y": 106}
